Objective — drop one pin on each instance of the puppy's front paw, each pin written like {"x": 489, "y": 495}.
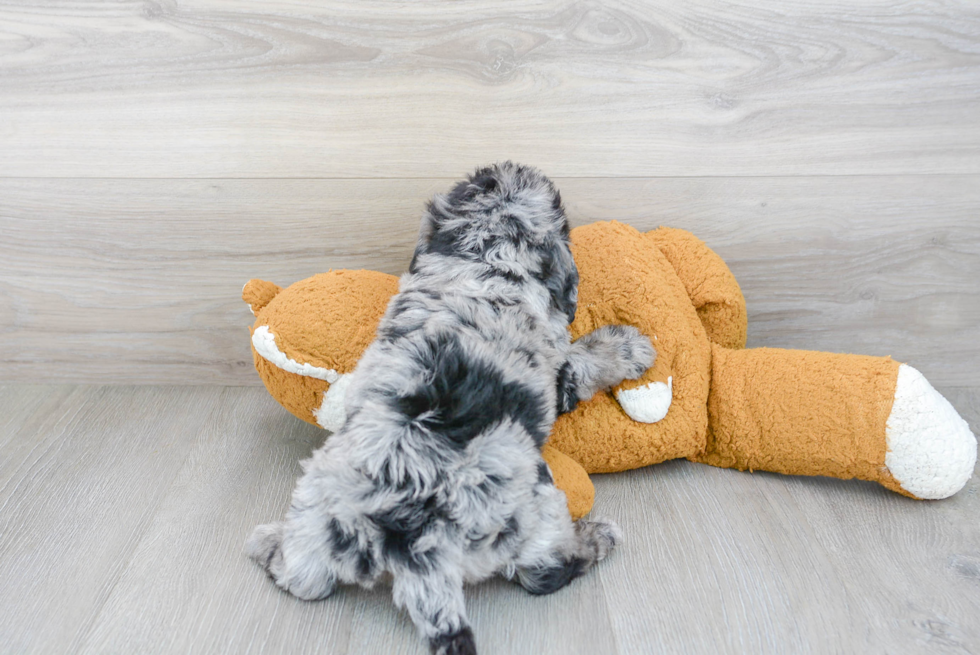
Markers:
{"x": 633, "y": 349}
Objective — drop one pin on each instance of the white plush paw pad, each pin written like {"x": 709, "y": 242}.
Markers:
{"x": 931, "y": 451}
{"x": 331, "y": 414}
{"x": 649, "y": 403}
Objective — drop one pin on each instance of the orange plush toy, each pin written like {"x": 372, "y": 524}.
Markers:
{"x": 706, "y": 398}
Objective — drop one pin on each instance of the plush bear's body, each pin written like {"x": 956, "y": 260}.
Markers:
{"x": 706, "y": 398}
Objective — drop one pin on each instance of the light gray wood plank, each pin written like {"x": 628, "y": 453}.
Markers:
{"x": 188, "y": 587}
{"x": 79, "y": 482}
{"x": 213, "y": 88}
{"x": 720, "y": 561}
{"x": 505, "y": 619}
{"x": 139, "y": 281}
{"x": 19, "y": 403}
{"x": 136, "y": 500}
{"x": 710, "y": 566}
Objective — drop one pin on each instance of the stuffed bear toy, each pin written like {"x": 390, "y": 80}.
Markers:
{"x": 706, "y": 398}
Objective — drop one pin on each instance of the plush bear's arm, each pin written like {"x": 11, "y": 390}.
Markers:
{"x": 845, "y": 416}
{"x": 710, "y": 284}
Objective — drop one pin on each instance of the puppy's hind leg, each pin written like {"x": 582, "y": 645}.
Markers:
{"x": 306, "y": 572}
{"x": 434, "y": 600}
{"x": 600, "y": 360}
{"x": 562, "y": 550}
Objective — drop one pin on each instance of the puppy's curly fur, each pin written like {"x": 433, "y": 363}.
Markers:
{"x": 436, "y": 477}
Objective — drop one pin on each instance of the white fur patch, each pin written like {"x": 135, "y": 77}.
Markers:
{"x": 331, "y": 414}
{"x": 931, "y": 450}
{"x": 264, "y": 343}
{"x": 649, "y": 403}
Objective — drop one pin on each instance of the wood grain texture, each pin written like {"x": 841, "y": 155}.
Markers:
{"x": 139, "y": 281}
{"x": 80, "y": 479}
{"x": 720, "y": 561}
{"x": 188, "y": 586}
{"x": 214, "y": 88}
{"x": 124, "y": 511}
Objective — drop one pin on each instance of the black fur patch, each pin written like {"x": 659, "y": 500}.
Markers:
{"x": 529, "y": 356}
{"x": 559, "y": 274}
{"x": 499, "y": 272}
{"x": 508, "y": 533}
{"x": 402, "y": 526}
{"x": 481, "y": 182}
{"x": 540, "y": 581}
{"x": 392, "y": 329}
{"x": 447, "y": 243}
{"x": 341, "y": 542}
{"x": 567, "y": 387}
{"x": 457, "y": 643}
{"x": 462, "y": 397}
{"x": 344, "y": 544}
{"x": 365, "y": 564}
{"x": 544, "y": 474}
{"x": 492, "y": 481}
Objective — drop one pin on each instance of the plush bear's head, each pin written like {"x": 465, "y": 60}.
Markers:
{"x": 307, "y": 337}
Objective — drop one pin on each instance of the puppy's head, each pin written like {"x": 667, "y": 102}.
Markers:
{"x": 510, "y": 217}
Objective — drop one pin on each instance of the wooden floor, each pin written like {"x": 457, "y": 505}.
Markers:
{"x": 124, "y": 511}
{"x": 156, "y": 154}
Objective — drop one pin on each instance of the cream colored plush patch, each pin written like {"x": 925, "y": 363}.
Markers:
{"x": 330, "y": 414}
{"x": 649, "y": 403}
{"x": 264, "y": 343}
{"x": 931, "y": 450}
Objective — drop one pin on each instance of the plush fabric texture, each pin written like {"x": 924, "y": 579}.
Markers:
{"x": 325, "y": 321}
{"x": 625, "y": 278}
{"x": 787, "y": 411}
{"x": 571, "y": 478}
{"x": 800, "y": 413}
{"x": 710, "y": 285}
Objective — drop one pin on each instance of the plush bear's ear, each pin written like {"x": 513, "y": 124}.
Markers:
{"x": 259, "y": 293}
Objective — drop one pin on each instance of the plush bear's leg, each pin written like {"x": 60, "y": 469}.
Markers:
{"x": 709, "y": 282}
{"x": 844, "y": 416}
{"x": 569, "y": 476}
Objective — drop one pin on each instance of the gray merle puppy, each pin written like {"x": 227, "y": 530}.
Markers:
{"x": 436, "y": 477}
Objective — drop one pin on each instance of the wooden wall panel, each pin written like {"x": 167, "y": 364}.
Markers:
{"x": 139, "y": 281}
{"x": 216, "y": 88}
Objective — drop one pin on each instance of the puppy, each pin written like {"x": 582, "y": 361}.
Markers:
{"x": 436, "y": 477}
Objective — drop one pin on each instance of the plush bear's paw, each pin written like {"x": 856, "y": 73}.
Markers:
{"x": 931, "y": 450}
{"x": 649, "y": 403}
